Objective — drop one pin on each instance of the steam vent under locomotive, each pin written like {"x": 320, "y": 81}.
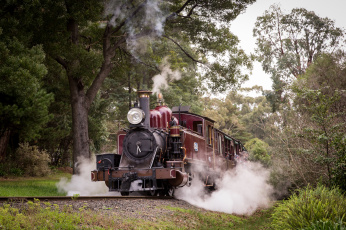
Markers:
{"x": 161, "y": 148}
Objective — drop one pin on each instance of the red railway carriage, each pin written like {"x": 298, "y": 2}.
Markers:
{"x": 163, "y": 148}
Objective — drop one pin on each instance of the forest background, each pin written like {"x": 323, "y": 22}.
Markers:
{"x": 69, "y": 72}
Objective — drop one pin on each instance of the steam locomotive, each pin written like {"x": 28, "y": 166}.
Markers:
{"x": 164, "y": 149}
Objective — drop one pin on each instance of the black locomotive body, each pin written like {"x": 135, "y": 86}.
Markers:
{"x": 162, "y": 149}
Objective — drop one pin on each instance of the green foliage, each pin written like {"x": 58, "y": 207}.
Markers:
{"x": 24, "y": 103}
{"x": 226, "y": 113}
{"x": 185, "y": 91}
{"x": 10, "y": 169}
{"x": 242, "y": 117}
{"x": 258, "y": 150}
{"x": 320, "y": 95}
{"x": 288, "y": 43}
{"x": 326, "y": 225}
{"x": 311, "y": 209}
{"x": 33, "y": 161}
{"x": 308, "y": 134}
{"x": 207, "y": 28}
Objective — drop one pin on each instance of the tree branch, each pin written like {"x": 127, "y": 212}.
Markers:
{"x": 61, "y": 61}
{"x": 140, "y": 61}
{"x": 128, "y": 19}
{"x": 190, "y": 12}
{"x": 172, "y": 15}
{"x": 183, "y": 7}
{"x": 185, "y": 52}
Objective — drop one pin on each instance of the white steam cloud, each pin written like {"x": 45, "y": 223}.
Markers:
{"x": 81, "y": 184}
{"x": 241, "y": 191}
{"x": 167, "y": 75}
{"x": 117, "y": 9}
{"x": 148, "y": 22}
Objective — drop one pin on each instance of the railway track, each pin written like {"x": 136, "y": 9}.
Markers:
{"x": 80, "y": 198}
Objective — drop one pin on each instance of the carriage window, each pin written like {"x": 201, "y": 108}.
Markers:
{"x": 198, "y": 127}
{"x": 237, "y": 147}
{"x": 217, "y": 137}
{"x": 232, "y": 148}
{"x": 210, "y": 134}
{"x": 220, "y": 144}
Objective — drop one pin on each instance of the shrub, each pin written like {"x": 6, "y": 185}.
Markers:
{"x": 326, "y": 225}
{"x": 311, "y": 209}
{"x": 3, "y": 171}
{"x": 16, "y": 171}
{"x": 258, "y": 151}
{"x": 32, "y": 161}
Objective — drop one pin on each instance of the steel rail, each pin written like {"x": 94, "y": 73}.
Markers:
{"x": 79, "y": 198}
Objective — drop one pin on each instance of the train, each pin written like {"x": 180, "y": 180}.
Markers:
{"x": 164, "y": 149}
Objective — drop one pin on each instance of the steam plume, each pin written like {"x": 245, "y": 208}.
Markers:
{"x": 147, "y": 24}
{"x": 81, "y": 184}
{"x": 240, "y": 191}
{"x": 167, "y": 74}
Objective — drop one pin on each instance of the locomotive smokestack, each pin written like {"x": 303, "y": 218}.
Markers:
{"x": 144, "y": 102}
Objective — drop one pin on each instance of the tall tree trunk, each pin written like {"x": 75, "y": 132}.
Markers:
{"x": 81, "y": 99}
{"x": 80, "y": 109}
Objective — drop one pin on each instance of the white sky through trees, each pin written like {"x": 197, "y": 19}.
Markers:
{"x": 243, "y": 25}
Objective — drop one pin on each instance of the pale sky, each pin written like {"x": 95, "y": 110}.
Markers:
{"x": 244, "y": 24}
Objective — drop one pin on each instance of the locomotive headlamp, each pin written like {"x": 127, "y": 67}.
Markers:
{"x": 135, "y": 116}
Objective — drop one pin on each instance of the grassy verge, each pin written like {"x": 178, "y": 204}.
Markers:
{"x": 35, "y": 186}
{"x": 190, "y": 219}
{"x": 259, "y": 220}
{"x": 43, "y": 215}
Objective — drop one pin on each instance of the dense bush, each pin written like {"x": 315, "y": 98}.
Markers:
{"x": 32, "y": 161}
{"x": 319, "y": 208}
{"x": 10, "y": 169}
{"x": 258, "y": 151}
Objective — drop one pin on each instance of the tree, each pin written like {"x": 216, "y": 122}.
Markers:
{"x": 309, "y": 147}
{"x": 90, "y": 45}
{"x": 23, "y": 102}
{"x": 321, "y": 96}
{"x": 258, "y": 150}
{"x": 227, "y": 114}
{"x": 287, "y": 44}
{"x": 185, "y": 91}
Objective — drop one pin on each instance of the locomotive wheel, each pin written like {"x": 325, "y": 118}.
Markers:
{"x": 125, "y": 193}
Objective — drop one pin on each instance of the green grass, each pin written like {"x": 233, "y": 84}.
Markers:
{"x": 38, "y": 186}
{"x": 191, "y": 219}
{"x": 43, "y": 215}
{"x": 261, "y": 219}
